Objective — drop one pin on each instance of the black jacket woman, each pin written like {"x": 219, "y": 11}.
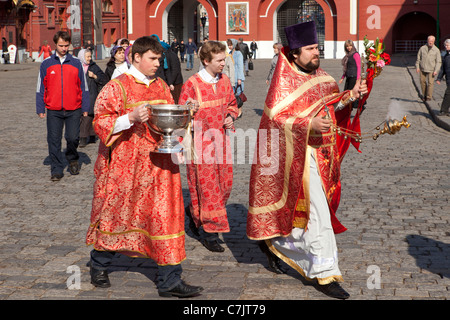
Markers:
{"x": 95, "y": 79}
{"x": 117, "y": 58}
{"x": 445, "y": 71}
{"x": 351, "y": 65}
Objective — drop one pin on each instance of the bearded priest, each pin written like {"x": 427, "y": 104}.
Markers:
{"x": 292, "y": 209}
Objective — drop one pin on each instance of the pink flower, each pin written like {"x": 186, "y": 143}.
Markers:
{"x": 381, "y": 63}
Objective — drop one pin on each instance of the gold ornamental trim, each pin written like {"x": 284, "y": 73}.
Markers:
{"x": 292, "y": 264}
{"x": 163, "y": 237}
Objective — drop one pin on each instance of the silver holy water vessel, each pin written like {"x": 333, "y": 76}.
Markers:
{"x": 164, "y": 120}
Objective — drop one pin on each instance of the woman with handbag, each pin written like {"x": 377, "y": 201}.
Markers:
{"x": 233, "y": 46}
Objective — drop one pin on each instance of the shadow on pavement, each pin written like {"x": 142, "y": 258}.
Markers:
{"x": 431, "y": 255}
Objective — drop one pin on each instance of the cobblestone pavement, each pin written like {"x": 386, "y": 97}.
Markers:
{"x": 395, "y": 205}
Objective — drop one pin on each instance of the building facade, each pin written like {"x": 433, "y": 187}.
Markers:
{"x": 29, "y": 23}
{"x": 403, "y": 24}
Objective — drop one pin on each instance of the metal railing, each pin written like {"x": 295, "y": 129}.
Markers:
{"x": 408, "y": 45}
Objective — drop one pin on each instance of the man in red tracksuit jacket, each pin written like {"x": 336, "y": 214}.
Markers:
{"x": 63, "y": 93}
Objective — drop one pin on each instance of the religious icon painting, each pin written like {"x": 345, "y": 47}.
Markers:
{"x": 237, "y": 18}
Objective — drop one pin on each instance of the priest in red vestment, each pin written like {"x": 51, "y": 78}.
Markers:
{"x": 137, "y": 208}
{"x": 210, "y": 171}
{"x": 294, "y": 184}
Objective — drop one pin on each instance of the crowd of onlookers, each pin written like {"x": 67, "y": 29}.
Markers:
{"x": 432, "y": 65}
{"x": 238, "y": 61}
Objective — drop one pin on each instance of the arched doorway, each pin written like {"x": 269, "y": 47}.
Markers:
{"x": 186, "y": 19}
{"x": 296, "y": 11}
{"x": 410, "y": 32}
{"x": 175, "y": 22}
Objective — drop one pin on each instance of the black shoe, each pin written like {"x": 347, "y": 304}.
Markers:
{"x": 99, "y": 278}
{"x": 192, "y": 225}
{"x": 74, "y": 167}
{"x": 213, "y": 246}
{"x": 274, "y": 261}
{"x": 56, "y": 177}
{"x": 83, "y": 142}
{"x": 182, "y": 290}
{"x": 92, "y": 139}
{"x": 333, "y": 290}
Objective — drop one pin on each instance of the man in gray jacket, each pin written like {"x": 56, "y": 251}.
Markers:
{"x": 428, "y": 64}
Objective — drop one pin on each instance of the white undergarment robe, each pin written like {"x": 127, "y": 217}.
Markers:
{"x": 312, "y": 252}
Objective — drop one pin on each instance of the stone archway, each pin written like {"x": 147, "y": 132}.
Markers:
{"x": 182, "y": 19}
{"x": 175, "y": 21}
{"x": 411, "y": 30}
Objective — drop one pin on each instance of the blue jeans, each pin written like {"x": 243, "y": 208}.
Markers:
{"x": 56, "y": 121}
{"x": 167, "y": 278}
{"x": 190, "y": 61}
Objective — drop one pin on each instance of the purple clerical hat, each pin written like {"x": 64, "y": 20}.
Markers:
{"x": 301, "y": 34}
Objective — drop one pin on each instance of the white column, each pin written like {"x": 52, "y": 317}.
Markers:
{"x": 130, "y": 16}
{"x": 353, "y": 16}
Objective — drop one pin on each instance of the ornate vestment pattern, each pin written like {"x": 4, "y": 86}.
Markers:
{"x": 210, "y": 174}
{"x": 138, "y": 205}
{"x": 279, "y": 199}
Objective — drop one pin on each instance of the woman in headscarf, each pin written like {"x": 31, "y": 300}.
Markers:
{"x": 123, "y": 42}
{"x": 170, "y": 69}
{"x": 163, "y": 61}
{"x": 122, "y": 68}
{"x": 95, "y": 79}
{"x": 238, "y": 59}
{"x": 117, "y": 58}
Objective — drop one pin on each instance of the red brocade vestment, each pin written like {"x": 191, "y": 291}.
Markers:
{"x": 210, "y": 174}
{"x": 279, "y": 182}
{"x": 138, "y": 205}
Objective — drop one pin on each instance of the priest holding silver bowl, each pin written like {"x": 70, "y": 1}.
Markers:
{"x": 166, "y": 120}
{"x": 137, "y": 207}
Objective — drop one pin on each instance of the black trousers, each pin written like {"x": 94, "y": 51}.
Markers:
{"x": 86, "y": 128}
{"x": 349, "y": 83}
{"x": 167, "y": 278}
{"x": 446, "y": 102}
